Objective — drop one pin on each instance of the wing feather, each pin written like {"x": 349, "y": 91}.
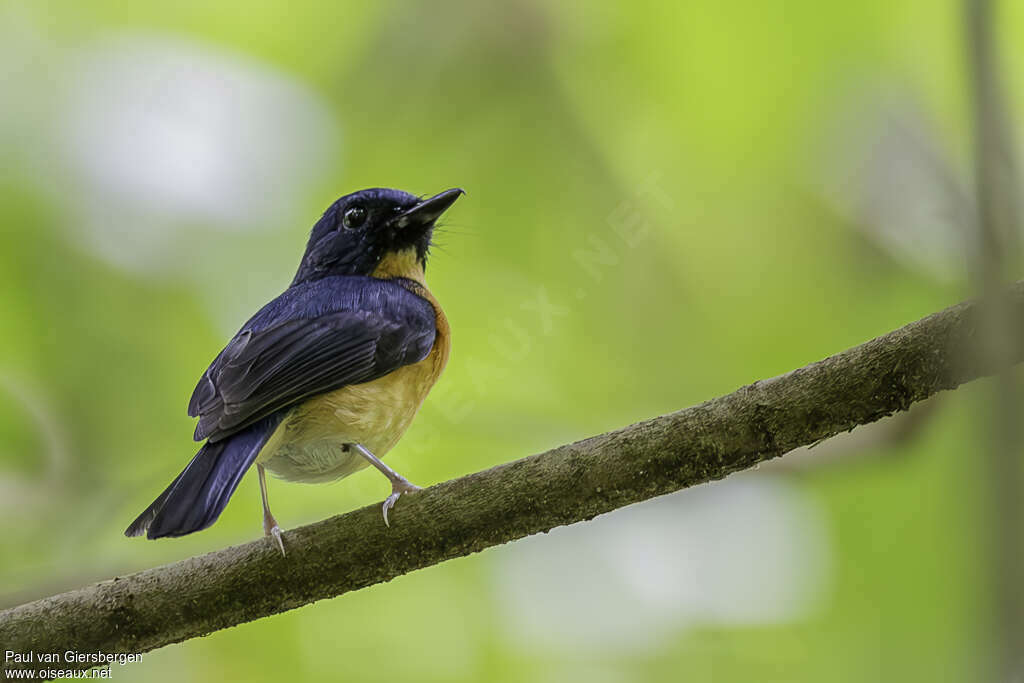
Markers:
{"x": 314, "y": 338}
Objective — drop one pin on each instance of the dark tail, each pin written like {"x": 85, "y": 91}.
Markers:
{"x": 196, "y": 498}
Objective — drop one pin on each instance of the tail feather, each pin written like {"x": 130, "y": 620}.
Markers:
{"x": 198, "y": 495}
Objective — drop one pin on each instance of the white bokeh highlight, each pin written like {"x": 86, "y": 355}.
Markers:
{"x": 167, "y": 139}
{"x": 883, "y": 167}
{"x": 752, "y": 550}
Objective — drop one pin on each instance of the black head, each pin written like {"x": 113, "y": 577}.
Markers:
{"x": 359, "y": 229}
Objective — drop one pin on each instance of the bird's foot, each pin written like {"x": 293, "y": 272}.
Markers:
{"x": 399, "y": 485}
{"x": 270, "y": 528}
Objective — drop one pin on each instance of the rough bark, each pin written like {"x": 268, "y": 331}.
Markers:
{"x": 567, "y": 484}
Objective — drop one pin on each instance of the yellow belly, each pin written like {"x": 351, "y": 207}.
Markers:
{"x": 309, "y": 445}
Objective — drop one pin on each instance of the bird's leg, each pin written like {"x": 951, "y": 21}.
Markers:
{"x": 399, "y": 484}
{"x": 270, "y": 527}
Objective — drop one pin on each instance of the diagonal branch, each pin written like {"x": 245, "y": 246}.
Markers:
{"x": 567, "y": 484}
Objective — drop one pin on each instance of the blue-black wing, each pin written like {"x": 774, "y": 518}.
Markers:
{"x": 314, "y": 338}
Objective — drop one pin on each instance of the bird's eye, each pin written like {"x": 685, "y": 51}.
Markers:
{"x": 355, "y": 216}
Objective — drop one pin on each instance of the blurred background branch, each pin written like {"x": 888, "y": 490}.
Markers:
{"x": 568, "y": 484}
{"x": 996, "y": 260}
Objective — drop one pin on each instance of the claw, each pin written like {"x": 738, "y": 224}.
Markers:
{"x": 389, "y": 503}
{"x": 275, "y": 531}
{"x": 399, "y": 484}
{"x": 270, "y": 528}
{"x": 397, "y": 489}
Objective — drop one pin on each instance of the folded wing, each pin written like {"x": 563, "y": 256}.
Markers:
{"x": 312, "y": 339}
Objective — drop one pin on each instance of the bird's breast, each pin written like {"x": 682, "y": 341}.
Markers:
{"x": 309, "y": 444}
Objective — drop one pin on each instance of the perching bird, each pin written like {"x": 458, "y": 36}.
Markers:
{"x": 326, "y": 378}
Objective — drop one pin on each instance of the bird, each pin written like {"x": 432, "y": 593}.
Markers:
{"x": 326, "y": 378}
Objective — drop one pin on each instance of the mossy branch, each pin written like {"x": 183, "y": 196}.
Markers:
{"x": 568, "y": 484}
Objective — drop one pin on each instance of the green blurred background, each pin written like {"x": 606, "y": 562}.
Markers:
{"x": 665, "y": 201}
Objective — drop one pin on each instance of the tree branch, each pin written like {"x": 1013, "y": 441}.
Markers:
{"x": 567, "y": 484}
